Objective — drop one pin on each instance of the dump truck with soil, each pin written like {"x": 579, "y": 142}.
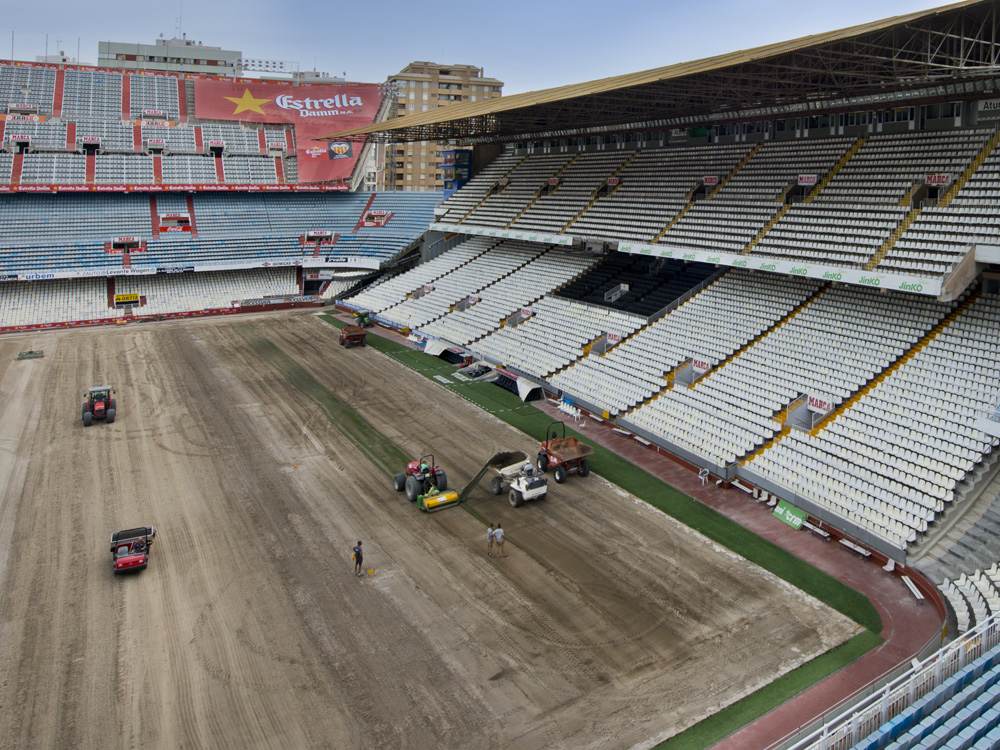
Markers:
{"x": 563, "y": 455}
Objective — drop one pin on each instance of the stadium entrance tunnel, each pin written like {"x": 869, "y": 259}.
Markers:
{"x": 521, "y": 387}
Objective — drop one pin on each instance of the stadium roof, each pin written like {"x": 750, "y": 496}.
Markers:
{"x": 929, "y": 47}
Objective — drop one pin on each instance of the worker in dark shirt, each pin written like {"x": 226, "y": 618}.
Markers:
{"x": 359, "y": 558}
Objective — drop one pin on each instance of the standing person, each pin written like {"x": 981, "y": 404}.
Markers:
{"x": 498, "y": 538}
{"x": 359, "y": 558}
{"x": 489, "y": 540}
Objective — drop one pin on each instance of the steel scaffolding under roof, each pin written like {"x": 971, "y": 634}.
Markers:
{"x": 956, "y": 43}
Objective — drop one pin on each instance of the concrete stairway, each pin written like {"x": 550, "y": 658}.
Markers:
{"x": 967, "y": 535}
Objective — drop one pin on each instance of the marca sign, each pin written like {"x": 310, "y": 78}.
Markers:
{"x": 820, "y": 403}
{"x": 314, "y": 110}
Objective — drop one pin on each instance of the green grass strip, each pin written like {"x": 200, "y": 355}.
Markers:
{"x": 703, "y": 519}
{"x": 382, "y": 452}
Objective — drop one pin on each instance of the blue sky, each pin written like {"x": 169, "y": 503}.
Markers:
{"x": 529, "y": 45}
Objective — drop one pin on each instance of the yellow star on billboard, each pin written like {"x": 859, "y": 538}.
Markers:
{"x": 247, "y": 103}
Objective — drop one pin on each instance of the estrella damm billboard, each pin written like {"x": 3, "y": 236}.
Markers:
{"x": 313, "y": 109}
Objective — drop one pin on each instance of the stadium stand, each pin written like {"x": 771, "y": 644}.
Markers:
{"x": 72, "y": 300}
{"x": 557, "y": 333}
{"x": 502, "y": 206}
{"x": 393, "y": 291}
{"x": 650, "y": 284}
{"x": 941, "y": 235}
{"x": 115, "y": 136}
{"x": 91, "y": 95}
{"x": 711, "y": 325}
{"x": 498, "y": 301}
{"x": 238, "y": 139}
{"x": 197, "y": 291}
{"x": 834, "y": 344}
{"x": 47, "y": 233}
{"x": 458, "y": 206}
{"x": 946, "y": 701}
{"x": 149, "y": 92}
{"x": 902, "y": 449}
{"x": 43, "y": 167}
{"x": 655, "y": 186}
{"x": 50, "y": 134}
{"x": 122, "y": 169}
{"x": 467, "y": 279}
{"x": 27, "y": 85}
{"x": 854, "y": 202}
{"x": 189, "y": 170}
{"x": 175, "y": 139}
{"x": 25, "y": 303}
{"x": 962, "y": 713}
{"x": 247, "y": 170}
{"x": 576, "y": 185}
{"x": 977, "y": 594}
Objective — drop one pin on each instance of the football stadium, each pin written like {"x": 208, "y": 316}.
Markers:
{"x": 671, "y": 420}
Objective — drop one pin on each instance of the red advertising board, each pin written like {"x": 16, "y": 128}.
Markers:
{"x": 315, "y": 110}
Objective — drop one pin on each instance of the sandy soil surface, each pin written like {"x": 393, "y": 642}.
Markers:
{"x": 607, "y": 625}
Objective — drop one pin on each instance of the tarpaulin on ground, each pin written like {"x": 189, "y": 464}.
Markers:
{"x": 314, "y": 110}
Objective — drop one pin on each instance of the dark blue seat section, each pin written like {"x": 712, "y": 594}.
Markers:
{"x": 46, "y": 233}
{"x": 653, "y": 283}
{"x": 962, "y": 713}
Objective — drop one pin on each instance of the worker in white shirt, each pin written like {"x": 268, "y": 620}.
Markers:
{"x": 498, "y": 540}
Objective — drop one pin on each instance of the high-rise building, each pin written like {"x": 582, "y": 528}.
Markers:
{"x": 419, "y": 87}
{"x": 178, "y": 55}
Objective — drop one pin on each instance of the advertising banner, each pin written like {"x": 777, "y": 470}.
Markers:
{"x": 788, "y": 513}
{"x": 314, "y": 110}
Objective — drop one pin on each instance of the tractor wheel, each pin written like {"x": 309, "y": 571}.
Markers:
{"x": 414, "y": 487}
{"x": 559, "y": 474}
{"x": 584, "y": 468}
{"x": 543, "y": 463}
{"x": 496, "y": 485}
{"x": 516, "y": 498}
{"x": 113, "y": 404}
{"x": 88, "y": 418}
{"x": 441, "y": 480}
{"x": 399, "y": 482}
{"x": 110, "y": 416}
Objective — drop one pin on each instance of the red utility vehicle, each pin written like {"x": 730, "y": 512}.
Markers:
{"x": 130, "y": 548}
{"x": 99, "y": 403}
{"x": 563, "y": 455}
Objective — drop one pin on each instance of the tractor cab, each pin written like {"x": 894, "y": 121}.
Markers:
{"x": 98, "y": 403}
{"x": 99, "y": 399}
{"x": 419, "y": 477}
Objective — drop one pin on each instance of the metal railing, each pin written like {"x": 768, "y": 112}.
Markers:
{"x": 855, "y": 722}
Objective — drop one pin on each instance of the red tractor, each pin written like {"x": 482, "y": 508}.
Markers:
{"x": 130, "y": 549}
{"x": 419, "y": 476}
{"x": 99, "y": 403}
{"x": 563, "y": 455}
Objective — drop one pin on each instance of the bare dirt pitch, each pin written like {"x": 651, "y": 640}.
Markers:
{"x": 608, "y": 625}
